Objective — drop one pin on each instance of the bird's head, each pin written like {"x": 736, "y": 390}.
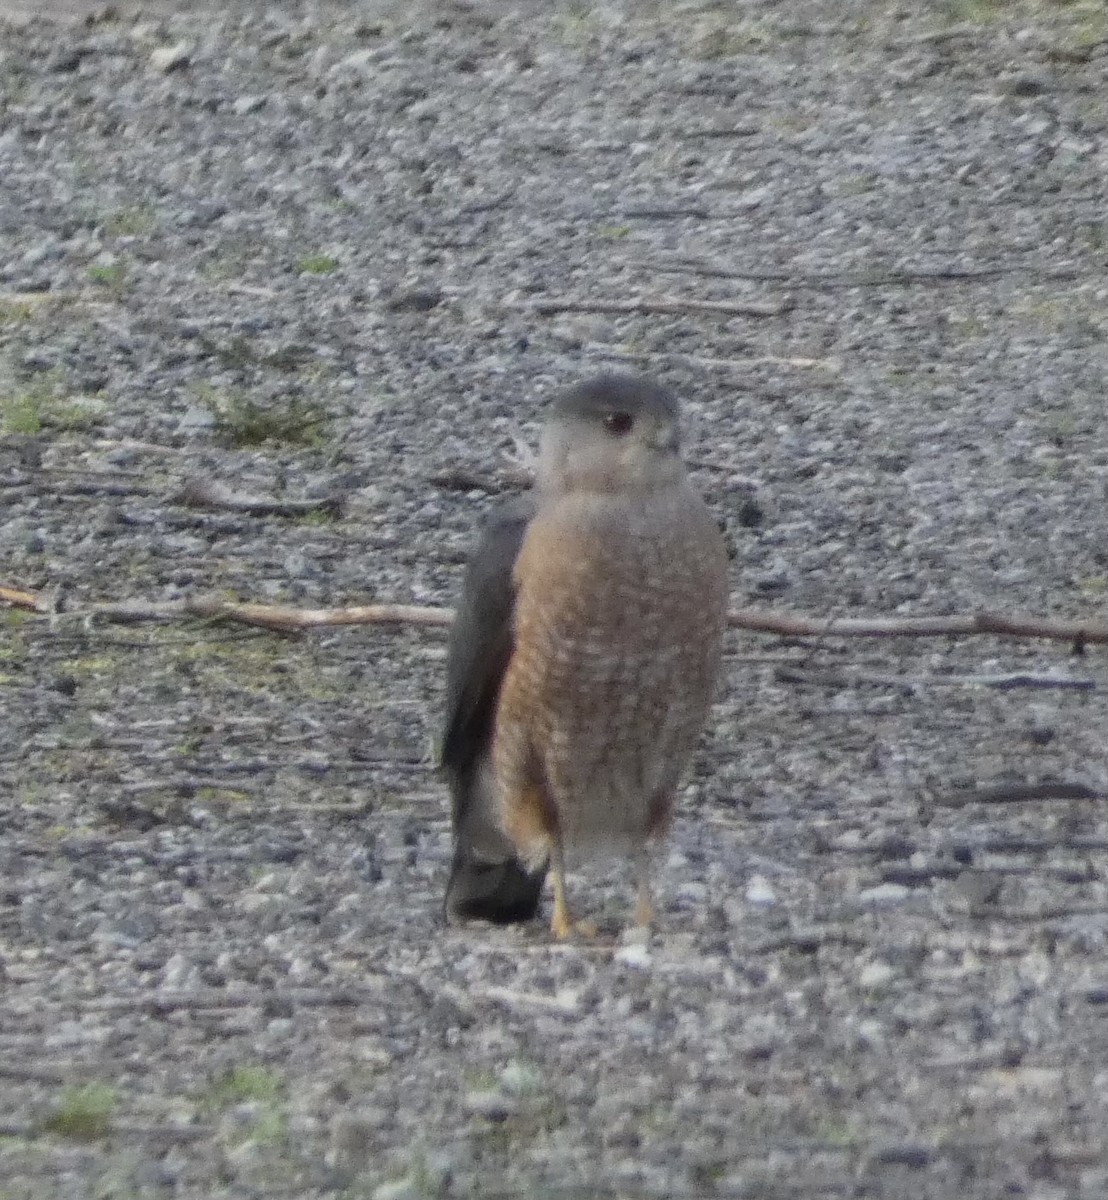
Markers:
{"x": 614, "y": 433}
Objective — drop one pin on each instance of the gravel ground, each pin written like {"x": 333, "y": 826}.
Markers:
{"x": 303, "y": 253}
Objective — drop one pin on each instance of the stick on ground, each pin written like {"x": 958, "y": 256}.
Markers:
{"x": 287, "y": 619}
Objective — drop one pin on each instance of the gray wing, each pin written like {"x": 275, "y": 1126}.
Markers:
{"x": 486, "y": 878}
{"x": 481, "y": 639}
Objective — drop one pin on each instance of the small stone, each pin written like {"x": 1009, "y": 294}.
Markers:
{"x": 295, "y": 565}
{"x": 194, "y": 419}
{"x": 351, "y": 1139}
{"x": 248, "y": 104}
{"x": 491, "y": 1104}
{"x": 976, "y": 890}
{"x": 35, "y": 360}
{"x": 875, "y": 975}
{"x": 178, "y": 972}
{"x": 773, "y": 583}
{"x": 67, "y": 61}
{"x": 905, "y": 1155}
{"x": 1027, "y": 84}
{"x": 754, "y": 197}
{"x": 693, "y": 893}
{"x": 759, "y": 892}
{"x": 417, "y": 299}
{"x": 633, "y": 955}
{"x": 171, "y": 58}
{"x": 65, "y": 685}
{"x": 398, "y": 1189}
{"x": 357, "y": 61}
{"x": 885, "y": 893}
{"x": 518, "y": 1079}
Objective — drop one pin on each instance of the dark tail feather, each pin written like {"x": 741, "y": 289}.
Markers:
{"x": 502, "y": 892}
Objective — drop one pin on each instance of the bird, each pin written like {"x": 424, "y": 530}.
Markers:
{"x": 583, "y": 657}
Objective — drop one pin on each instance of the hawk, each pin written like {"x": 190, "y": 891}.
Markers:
{"x": 583, "y": 657}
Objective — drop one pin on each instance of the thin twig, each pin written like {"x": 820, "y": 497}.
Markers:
{"x": 138, "y": 446}
{"x": 567, "y": 1003}
{"x": 831, "y": 365}
{"x": 204, "y": 493}
{"x": 836, "y": 281}
{"x": 146, "y": 1133}
{"x": 91, "y": 483}
{"x": 461, "y": 479}
{"x": 703, "y": 362}
{"x": 279, "y": 617}
{"x": 708, "y": 133}
{"x": 271, "y": 616}
{"x": 1078, "y": 632}
{"x": 1017, "y": 793}
{"x": 809, "y": 939}
{"x": 36, "y": 298}
{"x": 48, "y": 1076}
{"x": 847, "y": 679}
{"x": 246, "y": 289}
{"x": 1033, "y": 916}
{"x": 696, "y": 211}
{"x": 162, "y": 1133}
{"x": 175, "y": 1000}
{"x": 18, "y": 598}
{"x": 671, "y": 306}
{"x": 935, "y": 36}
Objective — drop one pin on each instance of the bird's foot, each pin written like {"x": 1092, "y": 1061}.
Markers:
{"x": 563, "y": 927}
{"x": 644, "y": 899}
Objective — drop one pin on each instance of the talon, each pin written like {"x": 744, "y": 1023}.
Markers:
{"x": 644, "y": 901}
{"x": 560, "y": 925}
{"x": 563, "y": 928}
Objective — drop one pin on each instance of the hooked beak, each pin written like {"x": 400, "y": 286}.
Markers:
{"x": 666, "y": 438}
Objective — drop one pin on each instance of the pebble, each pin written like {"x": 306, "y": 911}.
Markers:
{"x": 491, "y": 1104}
{"x": 248, "y": 104}
{"x": 875, "y": 975}
{"x": 759, "y": 892}
{"x": 885, "y": 893}
{"x": 399, "y": 1189}
{"x": 635, "y": 954}
{"x": 171, "y": 58}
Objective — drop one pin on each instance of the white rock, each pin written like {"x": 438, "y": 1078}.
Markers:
{"x": 248, "y": 104}
{"x": 885, "y": 893}
{"x": 398, "y": 1189}
{"x": 633, "y": 955}
{"x": 171, "y": 58}
{"x": 758, "y": 891}
{"x": 519, "y": 1079}
{"x": 876, "y": 974}
{"x": 491, "y": 1104}
{"x": 178, "y": 972}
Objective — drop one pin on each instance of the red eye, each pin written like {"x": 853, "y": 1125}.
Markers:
{"x": 618, "y": 423}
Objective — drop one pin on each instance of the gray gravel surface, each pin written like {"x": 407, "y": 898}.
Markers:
{"x": 372, "y": 238}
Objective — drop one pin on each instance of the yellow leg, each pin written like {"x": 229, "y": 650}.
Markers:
{"x": 644, "y": 904}
{"x": 562, "y": 925}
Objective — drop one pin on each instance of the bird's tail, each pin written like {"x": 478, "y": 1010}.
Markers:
{"x": 502, "y": 891}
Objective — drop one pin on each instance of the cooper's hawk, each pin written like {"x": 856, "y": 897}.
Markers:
{"x": 583, "y": 657}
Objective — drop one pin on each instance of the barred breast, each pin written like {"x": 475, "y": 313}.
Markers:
{"x": 619, "y": 618}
